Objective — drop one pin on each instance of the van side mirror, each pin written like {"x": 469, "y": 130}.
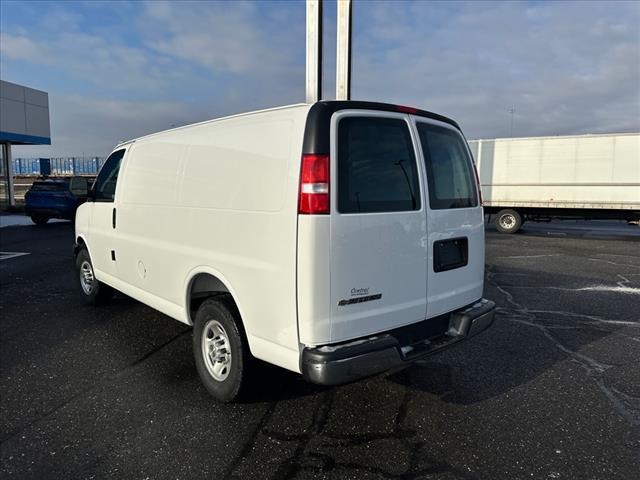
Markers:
{"x": 79, "y": 187}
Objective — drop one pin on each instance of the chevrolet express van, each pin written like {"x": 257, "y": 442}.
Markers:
{"x": 337, "y": 240}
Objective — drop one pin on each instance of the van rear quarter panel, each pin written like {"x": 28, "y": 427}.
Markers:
{"x": 220, "y": 197}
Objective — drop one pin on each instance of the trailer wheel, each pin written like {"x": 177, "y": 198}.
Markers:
{"x": 508, "y": 221}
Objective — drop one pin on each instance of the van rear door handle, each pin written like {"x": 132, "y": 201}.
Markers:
{"x": 113, "y": 217}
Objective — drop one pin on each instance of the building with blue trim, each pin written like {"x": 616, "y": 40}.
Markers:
{"x": 24, "y": 120}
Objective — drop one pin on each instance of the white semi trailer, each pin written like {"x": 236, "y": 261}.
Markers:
{"x": 540, "y": 178}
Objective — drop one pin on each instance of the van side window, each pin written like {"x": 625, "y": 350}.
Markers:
{"x": 449, "y": 168}
{"x": 104, "y": 189}
{"x": 377, "y": 169}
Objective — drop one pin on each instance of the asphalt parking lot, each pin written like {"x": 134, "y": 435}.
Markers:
{"x": 551, "y": 391}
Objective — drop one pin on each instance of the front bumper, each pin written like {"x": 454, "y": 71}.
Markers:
{"x": 349, "y": 361}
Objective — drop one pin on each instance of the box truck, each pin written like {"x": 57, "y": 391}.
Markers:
{"x": 540, "y": 178}
{"x": 337, "y": 240}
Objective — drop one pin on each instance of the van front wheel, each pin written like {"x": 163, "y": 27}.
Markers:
{"x": 508, "y": 221}
{"x": 220, "y": 348}
{"x": 93, "y": 291}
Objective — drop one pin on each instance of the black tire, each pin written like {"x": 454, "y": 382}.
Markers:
{"x": 508, "y": 221}
{"x": 39, "y": 219}
{"x": 99, "y": 293}
{"x": 222, "y": 310}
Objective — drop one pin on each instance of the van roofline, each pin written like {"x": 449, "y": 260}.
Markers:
{"x": 316, "y": 135}
{"x": 212, "y": 120}
{"x": 317, "y": 110}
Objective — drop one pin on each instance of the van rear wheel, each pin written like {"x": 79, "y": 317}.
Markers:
{"x": 220, "y": 348}
{"x": 508, "y": 221}
{"x": 92, "y": 290}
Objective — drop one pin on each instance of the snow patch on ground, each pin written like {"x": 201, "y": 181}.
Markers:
{"x": 19, "y": 220}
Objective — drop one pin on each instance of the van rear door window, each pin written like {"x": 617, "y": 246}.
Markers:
{"x": 449, "y": 168}
{"x": 377, "y": 169}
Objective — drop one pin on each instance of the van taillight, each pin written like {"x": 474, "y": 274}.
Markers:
{"x": 314, "y": 185}
{"x": 475, "y": 170}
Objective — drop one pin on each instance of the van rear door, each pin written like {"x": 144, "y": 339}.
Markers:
{"x": 454, "y": 218}
{"x": 378, "y": 226}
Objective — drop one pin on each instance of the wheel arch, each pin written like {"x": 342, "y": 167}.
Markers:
{"x": 204, "y": 282}
{"x": 81, "y": 242}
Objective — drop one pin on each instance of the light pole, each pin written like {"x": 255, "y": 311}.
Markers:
{"x": 313, "y": 76}
{"x": 343, "y": 50}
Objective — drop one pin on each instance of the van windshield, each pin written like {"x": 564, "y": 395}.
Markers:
{"x": 449, "y": 168}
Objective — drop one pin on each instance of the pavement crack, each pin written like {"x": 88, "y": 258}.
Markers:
{"x": 104, "y": 380}
{"x": 153, "y": 351}
{"x": 613, "y": 263}
{"x": 592, "y": 318}
{"x": 248, "y": 446}
{"x": 627, "y": 407}
{"x": 587, "y": 362}
{"x": 290, "y": 467}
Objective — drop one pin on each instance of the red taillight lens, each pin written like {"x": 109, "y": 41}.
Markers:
{"x": 475, "y": 170}
{"x": 314, "y": 185}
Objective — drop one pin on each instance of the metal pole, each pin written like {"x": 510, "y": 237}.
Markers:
{"x": 11, "y": 194}
{"x": 313, "y": 81}
{"x": 343, "y": 51}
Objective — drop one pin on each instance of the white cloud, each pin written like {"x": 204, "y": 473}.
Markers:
{"x": 567, "y": 67}
{"x": 89, "y": 126}
{"x": 20, "y": 47}
{"x": 240, "y": 40}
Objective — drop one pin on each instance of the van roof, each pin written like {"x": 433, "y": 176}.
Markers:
{"x": 316, "y": 136}
{"x": 319, "y": 115}
{"x": 273, "y": 109}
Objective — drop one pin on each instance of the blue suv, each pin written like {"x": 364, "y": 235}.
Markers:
{"x": 57, "y": 198}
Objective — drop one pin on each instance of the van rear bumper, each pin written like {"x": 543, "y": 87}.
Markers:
{"x": 342, "y": 363}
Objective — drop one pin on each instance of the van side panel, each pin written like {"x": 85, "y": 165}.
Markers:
{"x": 220, "y": 196}
{"x": 314, "y": 279}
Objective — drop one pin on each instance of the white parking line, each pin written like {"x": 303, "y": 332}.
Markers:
{"x": 8, "y": 255}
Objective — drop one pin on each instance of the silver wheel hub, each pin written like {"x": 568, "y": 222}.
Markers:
{"x": 507, "y": 221}
{"x": 216, "y": 350}
{"x": 87, "y": 280}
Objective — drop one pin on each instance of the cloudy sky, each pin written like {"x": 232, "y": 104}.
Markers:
{"x": 118, "y": 70}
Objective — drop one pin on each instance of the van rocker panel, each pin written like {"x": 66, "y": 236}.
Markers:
{"x": 356, "y": 359}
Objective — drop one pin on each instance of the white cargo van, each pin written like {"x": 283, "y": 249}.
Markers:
{"x": 337, "y": 240}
